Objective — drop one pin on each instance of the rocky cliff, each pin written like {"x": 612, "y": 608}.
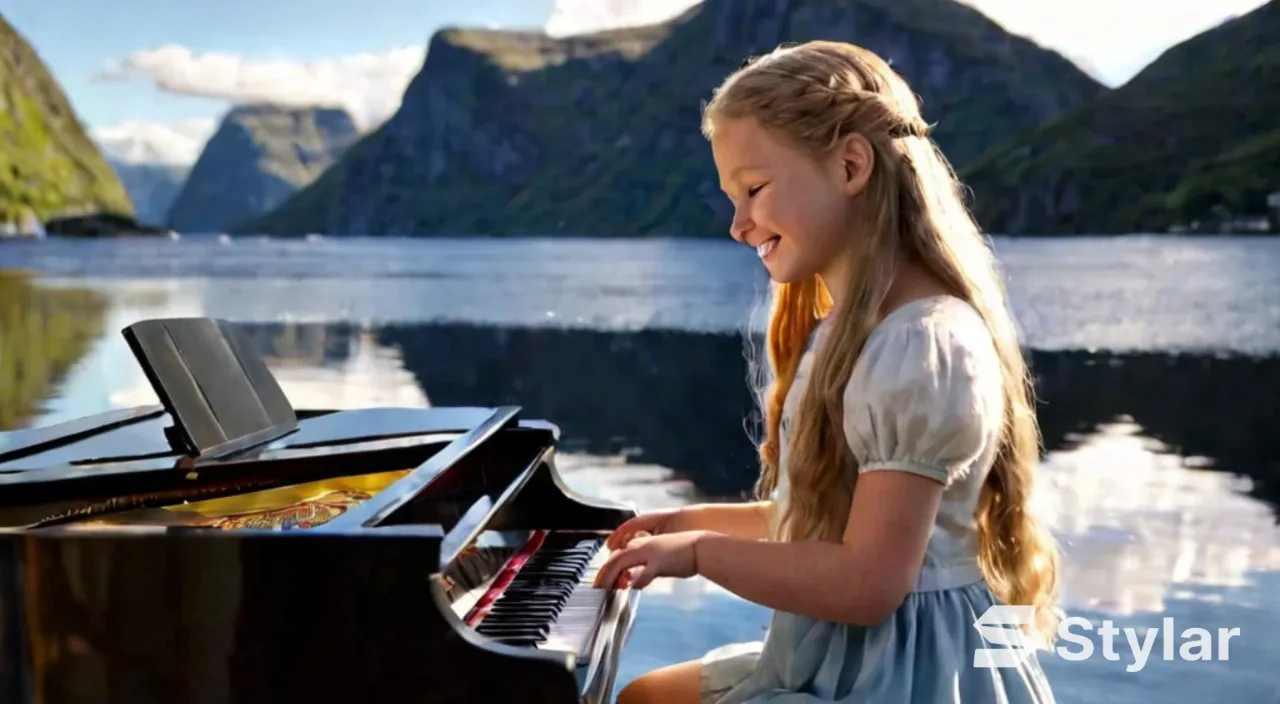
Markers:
{"x": 1191, "y": 137}
{"x": 48, "y": 164}
{"x": 259, "y": 156}
{"x": 519, "y": 133}
{"x": 151, "y": 187}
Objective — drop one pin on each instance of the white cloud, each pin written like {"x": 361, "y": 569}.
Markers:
{"x": 582, "y": 16}
{"x": 1112, "y": 39}
{"x": 144, "y": 142}
{"x": 368, "y": 85}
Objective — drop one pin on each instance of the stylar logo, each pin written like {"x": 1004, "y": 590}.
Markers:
{"x": 1001, "y": 625}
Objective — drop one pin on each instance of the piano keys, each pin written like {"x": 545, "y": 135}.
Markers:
{"x": 544, "y": 596}
{"x": 225, "y": 547}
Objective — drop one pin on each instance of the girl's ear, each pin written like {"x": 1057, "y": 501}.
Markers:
{"x": 858, "y": 160}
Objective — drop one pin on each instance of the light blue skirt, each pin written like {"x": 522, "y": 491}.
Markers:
{"x": 923, "y": 654}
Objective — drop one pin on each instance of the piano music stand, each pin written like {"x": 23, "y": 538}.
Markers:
{"x": 219, "y": 393}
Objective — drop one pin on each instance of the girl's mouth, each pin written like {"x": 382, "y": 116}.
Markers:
{"x": 767, "y": 247}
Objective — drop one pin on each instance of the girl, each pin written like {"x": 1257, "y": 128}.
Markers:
{"x": 900, "y": 436}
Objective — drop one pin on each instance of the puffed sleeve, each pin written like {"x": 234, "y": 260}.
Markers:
{"x": 925, "y": 397}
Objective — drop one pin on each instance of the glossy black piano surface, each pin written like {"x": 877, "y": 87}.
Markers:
{"x": 379, "y": 555}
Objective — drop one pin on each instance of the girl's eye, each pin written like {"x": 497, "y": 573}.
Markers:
{"x": 751, "y": 192}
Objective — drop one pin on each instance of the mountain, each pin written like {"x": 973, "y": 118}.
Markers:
{"x": 152, "y": 187}
{"x": 1194, "y": 133}
{"x": 508, "y": 132}
{"x": 48, "y": 164}
{"x": 257, "y": 158}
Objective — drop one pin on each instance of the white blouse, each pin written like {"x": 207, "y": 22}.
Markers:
{"x": 926, "y": 397}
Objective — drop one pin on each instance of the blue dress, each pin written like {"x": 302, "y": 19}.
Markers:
{"x": 925, "y": 397}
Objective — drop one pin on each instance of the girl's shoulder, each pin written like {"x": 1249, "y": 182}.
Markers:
{"x": 928, "y": 347}
{"x": 926, "y": 392}
{"x": 936, "y": 325}
{"x": 934, "y": 314}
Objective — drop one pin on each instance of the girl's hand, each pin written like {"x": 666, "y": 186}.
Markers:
{"x": 652, "y": 523}
{"x": 657, "y": 556}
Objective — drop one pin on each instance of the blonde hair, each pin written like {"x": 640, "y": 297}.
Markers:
{"x": 814, "y": 95}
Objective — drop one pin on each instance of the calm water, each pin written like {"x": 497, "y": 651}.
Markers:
{"x": 1133, "y": 293}
{"x": 1162, "y": 477}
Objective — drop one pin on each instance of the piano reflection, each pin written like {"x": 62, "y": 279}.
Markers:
{"x": 223, "y": 547}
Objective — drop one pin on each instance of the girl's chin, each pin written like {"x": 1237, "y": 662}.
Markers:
{"x": 780, "y": 273}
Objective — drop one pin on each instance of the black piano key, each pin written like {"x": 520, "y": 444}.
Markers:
{"x": 517, "y": 631}
{"x": 532, "y": 602}
{"x": 541, "y": 610}
{"x": 530, "y": 623}
{"x": 519, "y": 642}
{"x": 532, "y": 596}
{"x": 550, "y": 571}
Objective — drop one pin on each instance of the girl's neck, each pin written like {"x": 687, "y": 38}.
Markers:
{"x": 910, "y": 282}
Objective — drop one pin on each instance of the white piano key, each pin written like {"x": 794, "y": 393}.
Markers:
{"x": 578, "y": 621}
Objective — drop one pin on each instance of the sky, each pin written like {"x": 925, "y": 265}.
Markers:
{"x": 151, "y": 78}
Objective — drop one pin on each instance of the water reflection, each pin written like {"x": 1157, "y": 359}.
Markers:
{"x": 1152, "y": 481}
{"x": 1143, "y": 528}
{"x": 319, "y": 367}
{"x": 43, "y": 333}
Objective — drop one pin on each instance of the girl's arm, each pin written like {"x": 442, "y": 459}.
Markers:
{"x": 924, "y": 401}
{"x": 860, "y": 580}
{"x": 749, "y": 521}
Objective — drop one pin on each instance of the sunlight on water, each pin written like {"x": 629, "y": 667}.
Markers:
{"x": 364, "y": 375}
{"x": 315, "y": 368}
{"x": 1140, "y": 528}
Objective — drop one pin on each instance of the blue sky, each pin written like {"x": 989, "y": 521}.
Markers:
{"x": 78, "y": 38}
{"x": 174, "y": 66}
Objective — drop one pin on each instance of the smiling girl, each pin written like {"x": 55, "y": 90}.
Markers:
{"x": 900, "y": 440}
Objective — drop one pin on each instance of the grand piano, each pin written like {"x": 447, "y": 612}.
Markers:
{"x": 223, "y": 547}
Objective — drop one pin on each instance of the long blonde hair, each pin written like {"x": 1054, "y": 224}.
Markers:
{"x": 814, "y": 95}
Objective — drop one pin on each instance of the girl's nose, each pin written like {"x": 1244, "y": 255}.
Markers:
{"x": 739, "y": 228}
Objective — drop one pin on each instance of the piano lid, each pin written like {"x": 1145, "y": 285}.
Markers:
{"x": 219, "y": 393}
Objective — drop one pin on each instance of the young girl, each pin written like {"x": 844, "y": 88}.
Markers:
{"x": 900, "y": 436}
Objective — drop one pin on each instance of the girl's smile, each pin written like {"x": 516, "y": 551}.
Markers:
{"x": 764, "y": 249}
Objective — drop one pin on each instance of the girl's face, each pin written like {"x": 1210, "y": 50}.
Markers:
{"x": 794, "y": 210}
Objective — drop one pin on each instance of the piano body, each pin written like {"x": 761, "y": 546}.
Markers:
{"x": 224, "y": 547}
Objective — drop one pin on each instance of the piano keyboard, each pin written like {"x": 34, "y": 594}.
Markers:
{"x": 546, "y": 599}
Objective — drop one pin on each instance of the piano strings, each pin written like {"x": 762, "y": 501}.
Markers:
{"x": 293, "y": 507}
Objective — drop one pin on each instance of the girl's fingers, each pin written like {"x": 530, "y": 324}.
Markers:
{"x": 622, "y": 534}
{"x": 619, "y": 562}
{"x": 643, "y": 579}
{"x": 611, "y": 569}
{"x": 620, "y": 539}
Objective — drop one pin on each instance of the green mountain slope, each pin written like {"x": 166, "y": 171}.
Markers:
{"x": 519, "y": 133}
{"x": 48, "y": 164}
{"x": 1196, "y": 129}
